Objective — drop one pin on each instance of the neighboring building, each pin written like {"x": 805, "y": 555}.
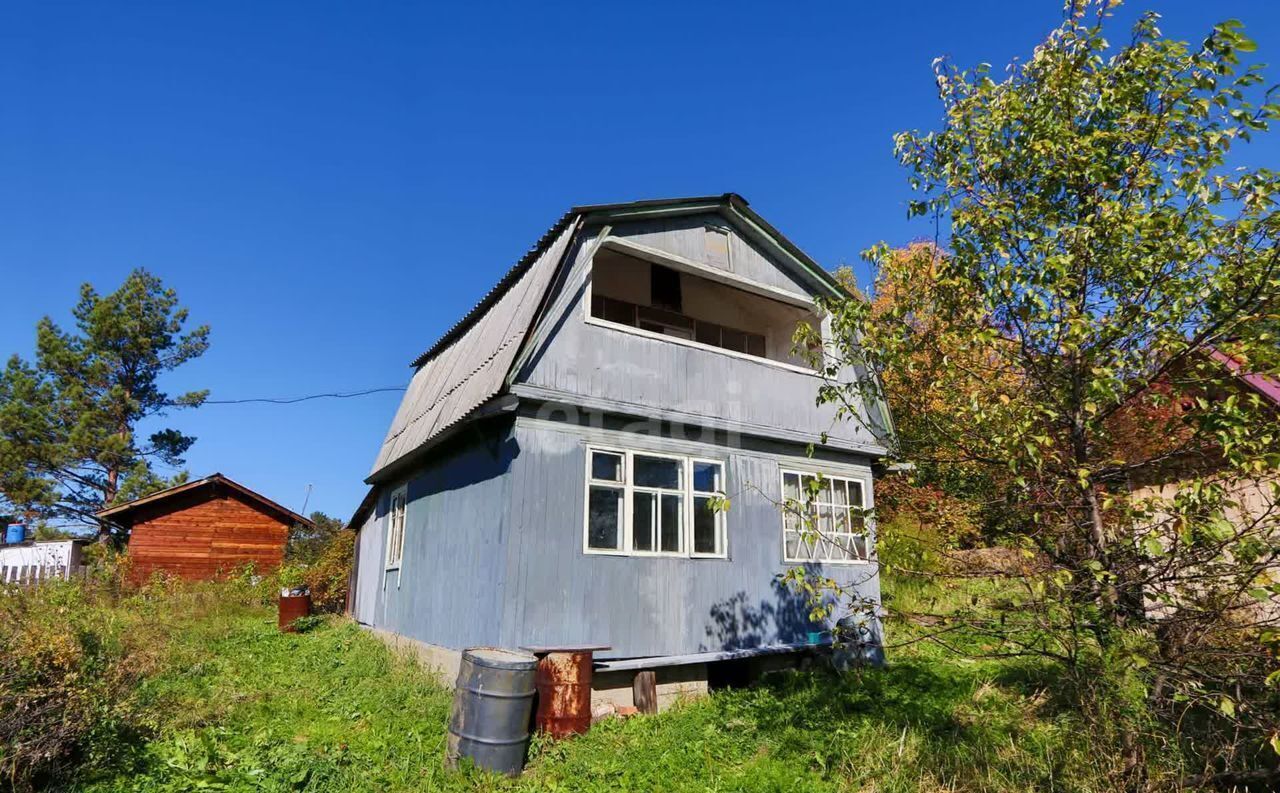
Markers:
{"x": 547, "y": 477}
{"x": 1255, "y": 500}
{"x": 30, "y": 562}
{"x": 204, "y": 529}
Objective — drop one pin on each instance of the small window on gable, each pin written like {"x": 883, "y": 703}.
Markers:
{"x": 716, "y": 240}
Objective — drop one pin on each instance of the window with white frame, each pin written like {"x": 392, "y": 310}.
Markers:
{"x": 647, "y": 503}
{"x": 395, "y": 527}
{"x": 823, "y": 518}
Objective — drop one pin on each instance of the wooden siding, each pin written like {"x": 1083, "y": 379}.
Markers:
{"x": 449, "y": 585}
{"x": 493, "y": 552}
{"x": 607, "y": 368}
{"x": 643, "y": 606}
{"x": 370, "y": 555}
{"x": 685, "y": 236}
{"x": 207, "y": 538}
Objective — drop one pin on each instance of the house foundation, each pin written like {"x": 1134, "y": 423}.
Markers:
{"x": 613, "y": 682}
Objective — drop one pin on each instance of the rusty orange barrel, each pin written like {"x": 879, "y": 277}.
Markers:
{"x": 564, "y": 693}
{"x": 291, "y": 608}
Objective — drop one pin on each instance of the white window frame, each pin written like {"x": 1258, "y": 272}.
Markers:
{"x": 629, "y": 488}
{"x": 395, "y": 533}
{"x": 721, "y": 517}
{"x": 864, "y": 487}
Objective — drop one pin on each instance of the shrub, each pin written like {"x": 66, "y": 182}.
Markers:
{"x": 920, "y": 525}
{"x": 328, "y": 575}
{"x": 71, "y": 661}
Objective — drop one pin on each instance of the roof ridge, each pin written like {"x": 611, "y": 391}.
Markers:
{"x": 173, "y": 490}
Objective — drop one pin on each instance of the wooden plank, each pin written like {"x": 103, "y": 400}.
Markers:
{"x": 703, "y": 658}
{"x": 208, "y": 538}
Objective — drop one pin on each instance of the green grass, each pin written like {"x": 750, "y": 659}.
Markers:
{"x": 245, "y": 708}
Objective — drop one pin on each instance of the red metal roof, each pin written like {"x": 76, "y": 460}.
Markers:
{"x": 1266, "y": 386}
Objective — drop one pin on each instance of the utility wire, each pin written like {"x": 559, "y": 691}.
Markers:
{"x": 293, "y": 400}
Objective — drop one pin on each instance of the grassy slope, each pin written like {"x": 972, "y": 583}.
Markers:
{"x": 246, "y": 708}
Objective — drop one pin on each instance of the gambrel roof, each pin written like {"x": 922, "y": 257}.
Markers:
{"x": 463, "y": 373}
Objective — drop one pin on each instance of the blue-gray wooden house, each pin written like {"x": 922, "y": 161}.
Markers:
{"x": 548, "y": 477}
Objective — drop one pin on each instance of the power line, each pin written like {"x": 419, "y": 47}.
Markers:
{"x": 293, "y": 400}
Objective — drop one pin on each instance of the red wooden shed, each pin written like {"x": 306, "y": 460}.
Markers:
{"x": 204, "y": 529}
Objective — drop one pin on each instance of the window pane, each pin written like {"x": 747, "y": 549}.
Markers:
{"x": 860, "y": 546}
{"x": 644, "y": 515}
{"x": 755, "y": 344}
{"x": 824, "y": 525}
{"x": 808, "y": 546}
{"x": 613, "y": 310}
{"x": 704, "y": 527}
{"x": 606, "y": 466}
{"x": 791, "y": 486}
{"x": 793, "y": 544}
{"x": 734, "y": 340}
{"x": 604, "y": 522}
{"x": 672, "y": 522}
{"x": 842, "y": 548}
{"x": 855, "y": 493}
{"x": 657, "y": 472}
{"x": 708, "y": 333}
{"x": 839, "y": 489}
{"x": 824, "y": 492}
{"x": 706, "y": 477}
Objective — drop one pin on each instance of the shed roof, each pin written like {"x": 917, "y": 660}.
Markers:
{"x": 1267, "y": 387}
{"x": 123, "y": 514}
{"x": 468, "y": 365}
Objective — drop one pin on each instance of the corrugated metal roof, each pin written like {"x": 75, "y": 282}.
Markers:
{"x": 470, "y": 365}
{"x": 498, "y": 289}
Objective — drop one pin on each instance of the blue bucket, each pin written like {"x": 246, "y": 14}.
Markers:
{"x": 15, "y": 534}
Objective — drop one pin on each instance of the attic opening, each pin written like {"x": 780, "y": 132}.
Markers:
{"x": 636, "y": 293}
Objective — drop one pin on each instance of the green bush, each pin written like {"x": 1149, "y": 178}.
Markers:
{"x": 327, "y": 577}
{"x": 75, "y": 653}
{"x": 72, "y": 658}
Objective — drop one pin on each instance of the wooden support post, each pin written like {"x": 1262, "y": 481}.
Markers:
{"x": 644, "y": 692}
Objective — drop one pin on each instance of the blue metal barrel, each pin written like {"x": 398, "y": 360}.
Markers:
{"x": 15, "y": 533}
{"x": 491, "y": 708}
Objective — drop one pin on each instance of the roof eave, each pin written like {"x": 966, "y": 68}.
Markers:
{"x": 211, "y": 480}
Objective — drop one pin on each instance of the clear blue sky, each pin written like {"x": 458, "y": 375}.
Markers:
{"x": 331, "y": 185}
